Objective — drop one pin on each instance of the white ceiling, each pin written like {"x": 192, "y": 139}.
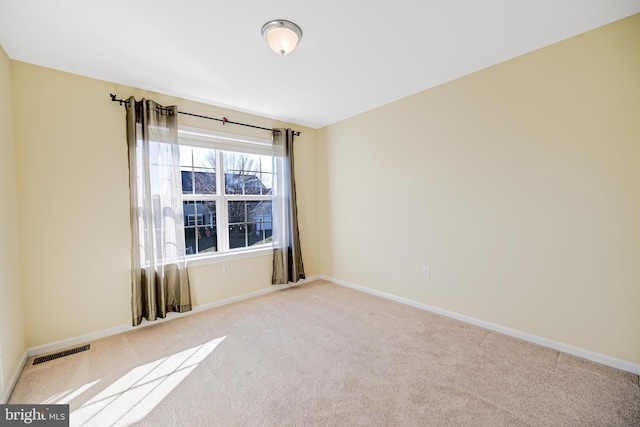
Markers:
{"x": 355, "y": 55}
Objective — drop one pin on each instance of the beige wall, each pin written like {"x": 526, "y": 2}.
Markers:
{"x": 12, "y": 340}
{"x": 518, "y": 185}
{"x": 74, "y": 207}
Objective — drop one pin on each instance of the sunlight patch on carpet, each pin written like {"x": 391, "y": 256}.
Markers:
{"x": 67, "y": 396}
{"x": 134, "y": 395}
{"x": 78, "y": 392}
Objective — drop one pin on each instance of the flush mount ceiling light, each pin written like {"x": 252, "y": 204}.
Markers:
{"x": 281, "y": 35}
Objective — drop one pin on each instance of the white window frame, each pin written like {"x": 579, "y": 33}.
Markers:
{"x": 219, "y": 142}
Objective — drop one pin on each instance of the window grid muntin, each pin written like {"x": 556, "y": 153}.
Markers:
{"x": 200, "y": 225}
{"x": 254, "y": 229}
{"x": 223, "y": 244}
{"x": 235, "y": 165}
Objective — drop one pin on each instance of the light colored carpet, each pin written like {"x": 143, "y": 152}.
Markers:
{"x": 322, "y": 354}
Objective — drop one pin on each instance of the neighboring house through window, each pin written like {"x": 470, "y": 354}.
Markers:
{"x": 226, "y": 191}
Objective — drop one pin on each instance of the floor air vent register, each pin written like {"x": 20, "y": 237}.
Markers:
{"x": 60, "y": 354}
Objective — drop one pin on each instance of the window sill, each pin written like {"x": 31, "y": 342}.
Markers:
{"x": 199, "y": 260}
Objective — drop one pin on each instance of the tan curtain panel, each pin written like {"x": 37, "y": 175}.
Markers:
{"x": 160, "y": 283}
{"x": 287, "y": 254}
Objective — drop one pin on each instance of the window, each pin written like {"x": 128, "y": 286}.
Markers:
{"x": 226, "y": 194}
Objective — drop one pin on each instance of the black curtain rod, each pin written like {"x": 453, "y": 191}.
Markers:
{"x": 224, "y": 120}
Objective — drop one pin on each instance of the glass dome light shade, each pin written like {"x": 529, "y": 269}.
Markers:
{"x": 282, "y": 36}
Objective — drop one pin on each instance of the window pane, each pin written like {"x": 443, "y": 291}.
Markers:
{"x": 249, "y": 223}
{"x": 233, "y": 183}
{"x": 189, "y": 212}
{"x": 244, "y": 173}
{"x": 207, "y": 209}
{"x": 237, "y": 212}
{"x": 267, "y": 183}
{"x": 204, "y": 181}
{"x": 190, "y": 240}
{"x": 200, "y": 226}
{"x": 187, "y": 182}
{"x": 258, "y": 234}
{"x": 186, "y": 167}
{"x": 186, "y": 158}
{"x": 207, "y": 239}
{"x": 198, "y": 167}
{"x": 259, "y": 223}
{"x": 268, "y": 232}
{"x": 252, "y": 184}
{"x": 237, "y": 236}
{"x": 234, "y": 161}
{"x": 259, "y": 211}
{"x": 204, "y": 158}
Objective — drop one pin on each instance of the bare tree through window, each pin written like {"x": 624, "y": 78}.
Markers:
{"x": 243, "y": 188}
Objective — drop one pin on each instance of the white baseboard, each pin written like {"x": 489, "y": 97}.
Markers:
{"x": 14, "y": 379}
{"x": 613, "y": 362}
{"x": 83, "y": 339}
{"x": 265, "y": 291}
{"x": 565, "y": 348}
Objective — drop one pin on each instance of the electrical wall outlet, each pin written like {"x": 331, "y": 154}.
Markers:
{"x": 426, "y": 272}
{"x": 225, "y": 269}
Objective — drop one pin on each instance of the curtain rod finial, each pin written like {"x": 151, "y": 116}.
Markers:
{"x": 119, "y": 101}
